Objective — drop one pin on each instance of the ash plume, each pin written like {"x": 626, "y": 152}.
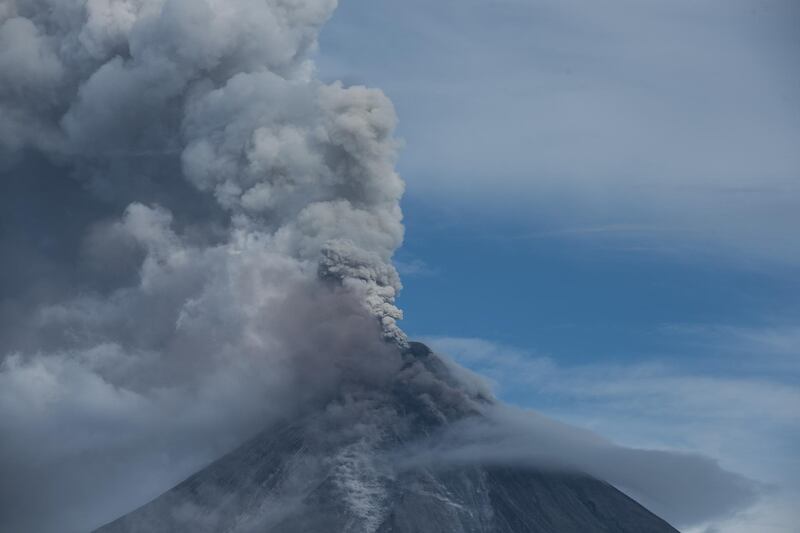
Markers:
{"x": 196, "y": 238}
{"x": 194, "y": 229}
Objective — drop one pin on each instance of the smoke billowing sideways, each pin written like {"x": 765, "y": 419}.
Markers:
{"x": 195, "y": 241}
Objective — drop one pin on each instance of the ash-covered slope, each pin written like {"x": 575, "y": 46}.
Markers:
{"x": 340, "y": 469}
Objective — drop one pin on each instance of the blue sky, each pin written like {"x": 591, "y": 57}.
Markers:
{"x": 602, "y": 211}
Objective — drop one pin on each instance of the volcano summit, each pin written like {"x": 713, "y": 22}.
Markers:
{"x": 340, "y": 469}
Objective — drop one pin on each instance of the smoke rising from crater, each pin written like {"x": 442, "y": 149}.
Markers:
{"x": 196, "y": 239}
{"x": 171, "y": 103}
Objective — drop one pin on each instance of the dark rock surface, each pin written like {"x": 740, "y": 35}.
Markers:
{"x": 328, "y": 472}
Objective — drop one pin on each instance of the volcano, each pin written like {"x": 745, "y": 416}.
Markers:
{"x": 338, "y": 468}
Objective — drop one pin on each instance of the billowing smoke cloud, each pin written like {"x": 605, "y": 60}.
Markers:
{"x": 140, "y": 101}
{"x": 195, "y": 241}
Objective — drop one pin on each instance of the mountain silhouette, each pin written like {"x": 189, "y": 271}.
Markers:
{"x": 335, "y": 469}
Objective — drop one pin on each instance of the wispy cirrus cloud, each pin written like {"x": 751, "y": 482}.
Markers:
{"x": 673, "y": 124}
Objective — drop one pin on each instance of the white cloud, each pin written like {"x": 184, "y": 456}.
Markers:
{"x": 776, "y": 514}
{"x": 750, "y": 424}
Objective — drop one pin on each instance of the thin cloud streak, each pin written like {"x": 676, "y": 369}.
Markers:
{"x": 750, "y": 424}
{"x": 589, "y": 116}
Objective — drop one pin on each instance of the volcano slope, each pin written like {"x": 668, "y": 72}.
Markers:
{"x": 344, "y": 467}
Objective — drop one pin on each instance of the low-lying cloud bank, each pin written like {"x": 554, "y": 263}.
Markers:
{"x": 731, "y": 396}
{"x": 683, "y": 488}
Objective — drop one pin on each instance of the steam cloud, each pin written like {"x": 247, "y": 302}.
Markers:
{"x": 196, "y": 239}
